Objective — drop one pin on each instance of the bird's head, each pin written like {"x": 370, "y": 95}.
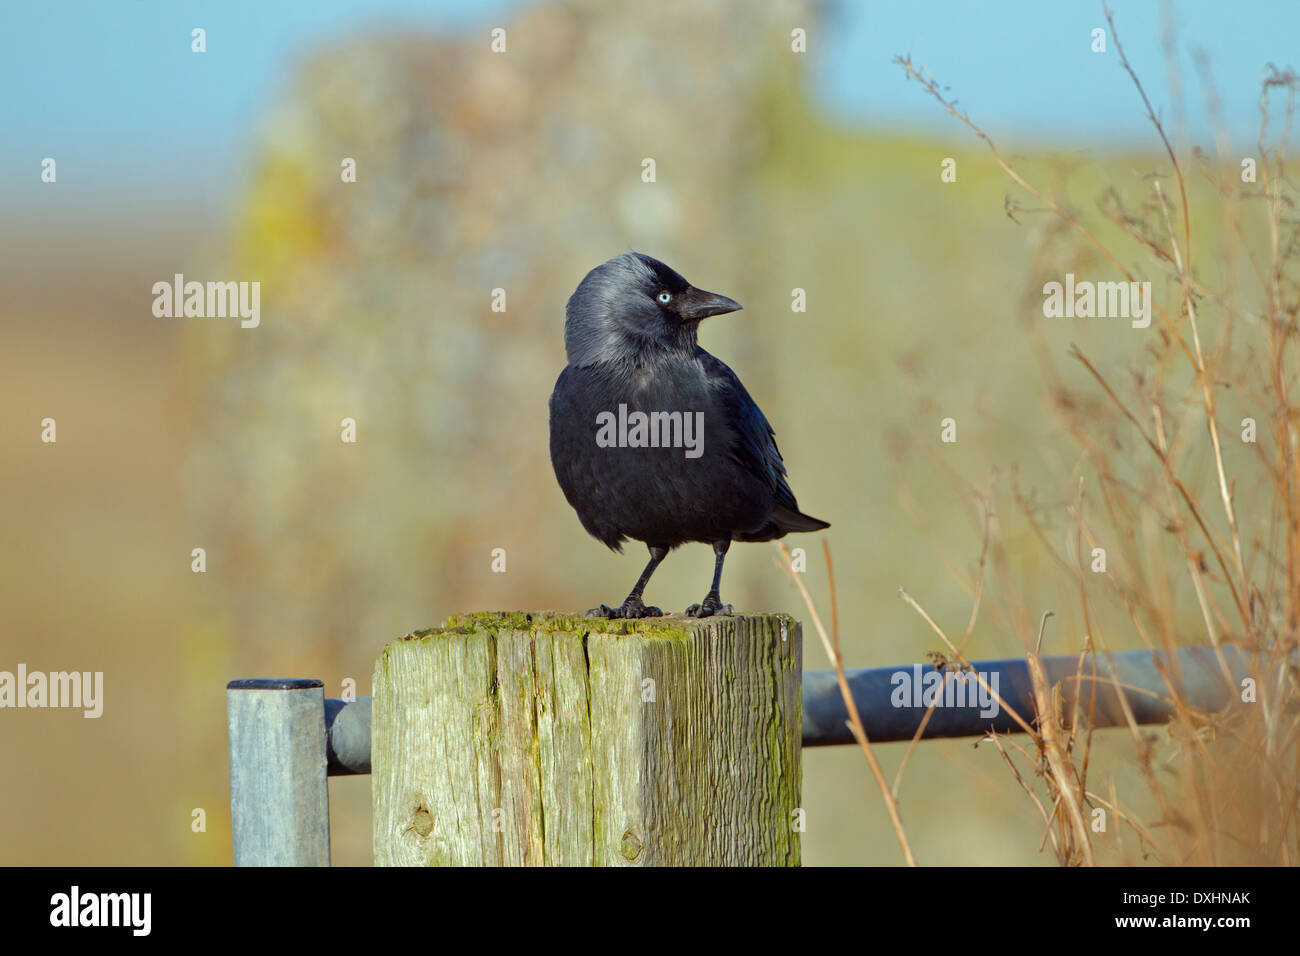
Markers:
{"x": 632, "y": 306}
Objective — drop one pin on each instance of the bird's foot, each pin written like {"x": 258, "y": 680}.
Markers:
{"x": 712, "y": 605}
{"x": 631, "y": 608}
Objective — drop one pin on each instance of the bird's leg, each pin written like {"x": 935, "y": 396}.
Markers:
{"x": 712, "y": 603}
{"x": 633, "y": 606}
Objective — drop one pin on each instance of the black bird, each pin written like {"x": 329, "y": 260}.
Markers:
{"x": 652, "y": 438}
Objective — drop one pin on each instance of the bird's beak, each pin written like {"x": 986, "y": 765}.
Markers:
{"x": 698, "y": 304}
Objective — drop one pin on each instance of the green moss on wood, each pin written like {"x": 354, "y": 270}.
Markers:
{"x": 674, "y": 627}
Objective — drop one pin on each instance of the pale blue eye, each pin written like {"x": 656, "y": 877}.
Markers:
{"x": 665, "y": 298}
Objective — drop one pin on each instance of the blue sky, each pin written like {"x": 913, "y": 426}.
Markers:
{"x": 1026, "y": 69}
{"x": 112, "y": 90}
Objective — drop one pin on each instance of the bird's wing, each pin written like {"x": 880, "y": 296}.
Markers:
{"x": 755, "y": 442}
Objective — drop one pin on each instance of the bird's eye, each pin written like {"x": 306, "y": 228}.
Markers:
{"x": 665, "y": 298}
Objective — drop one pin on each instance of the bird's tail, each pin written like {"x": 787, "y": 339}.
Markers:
{"x": 788, "y": 519}
{"x": 784, "y": 520}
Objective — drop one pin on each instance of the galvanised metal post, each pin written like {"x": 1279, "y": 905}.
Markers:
{"x": 279, "y": 794}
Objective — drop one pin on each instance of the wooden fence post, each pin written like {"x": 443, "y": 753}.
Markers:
{"x": 544, "y": 739}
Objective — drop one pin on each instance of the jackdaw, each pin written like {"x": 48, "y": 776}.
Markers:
{"x": 652, "y": 438}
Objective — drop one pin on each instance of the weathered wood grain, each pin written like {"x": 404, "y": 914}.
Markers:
{"x": 544, "y": 739}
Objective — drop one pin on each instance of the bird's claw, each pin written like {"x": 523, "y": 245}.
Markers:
{"x": 709, "y": 608}
{"x": 630, "y": 609}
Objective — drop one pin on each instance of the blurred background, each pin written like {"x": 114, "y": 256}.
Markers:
{"x": 476, "y": 170}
